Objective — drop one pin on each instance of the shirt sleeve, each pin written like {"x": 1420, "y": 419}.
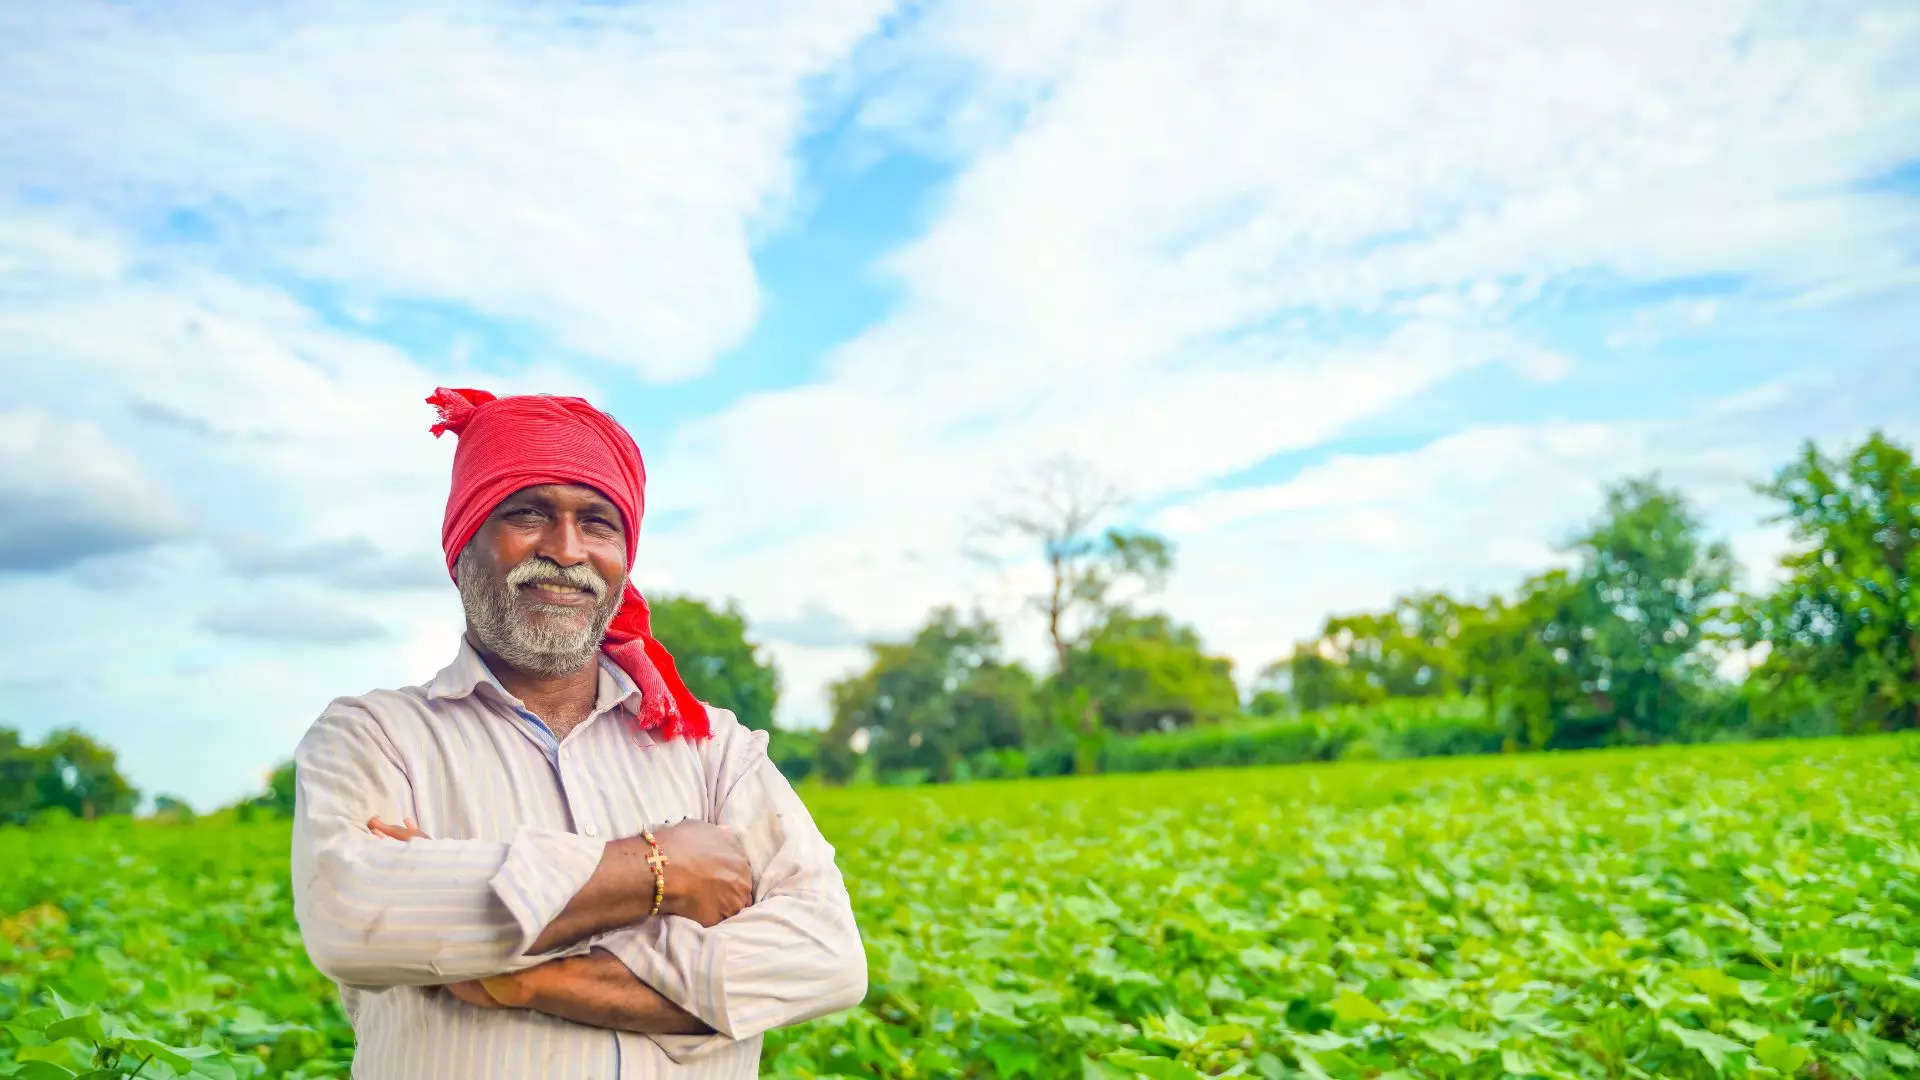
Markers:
{"x": 376, "y": 912}
{"x": 791, "y": 955}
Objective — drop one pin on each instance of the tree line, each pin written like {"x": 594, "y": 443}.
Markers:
{"x": 65, "y": 773}
{"x": 1643, "y": 636}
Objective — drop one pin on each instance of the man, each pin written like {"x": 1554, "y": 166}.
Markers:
{"x": 552, "y": 860}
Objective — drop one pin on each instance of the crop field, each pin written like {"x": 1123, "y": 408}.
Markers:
{"x": 1730, "y": 911}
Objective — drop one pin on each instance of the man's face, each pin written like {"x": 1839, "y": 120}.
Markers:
{"x": 542, "y": 577}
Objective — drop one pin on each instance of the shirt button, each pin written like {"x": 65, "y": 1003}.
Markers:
{"x": 590, "y": 831}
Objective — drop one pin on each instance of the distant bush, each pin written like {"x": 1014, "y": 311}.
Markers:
{"x": 1402, "y": 728}
{"x": 794, "y": 753}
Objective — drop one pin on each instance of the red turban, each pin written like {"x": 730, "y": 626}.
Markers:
{"x": 519, "y": 442}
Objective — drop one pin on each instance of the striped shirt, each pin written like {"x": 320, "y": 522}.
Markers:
{"x": 518, "y": 819}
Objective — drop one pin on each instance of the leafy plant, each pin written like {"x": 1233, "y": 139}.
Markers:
{"x": 1725, "y": 910}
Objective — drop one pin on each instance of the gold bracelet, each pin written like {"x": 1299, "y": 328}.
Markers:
{"x": 657, "y": 860}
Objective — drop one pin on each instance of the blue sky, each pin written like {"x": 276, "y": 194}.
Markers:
{"x": 1347, "y": 304}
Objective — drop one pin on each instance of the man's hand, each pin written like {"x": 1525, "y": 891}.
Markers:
{"x": 595, "y": 989}
{"x": 510, "y": 991}
{"x": 708, "y": 878}
{"x": 471, "y": 992}
{"x": 410, "y": 830}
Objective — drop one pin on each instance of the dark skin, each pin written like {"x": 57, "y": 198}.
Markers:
{"x": 572, "y": 525}
{"x": 709, "y": 880}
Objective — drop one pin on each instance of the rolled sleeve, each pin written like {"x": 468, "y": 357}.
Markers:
{"x": 684, "y": 963}
{"x": 376, "y": 912}
{"x": 542, "y": 871}
{"x": 793, "y": 954}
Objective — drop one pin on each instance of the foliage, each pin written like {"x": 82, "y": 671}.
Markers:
{"x": 1408, "y": 727}
{"x": 927, "y": 702}
{"x": 1060, "y": 510}
{"x": 278, "y": 798}
{"x": 1679, "y": 912}
{"x": 1524, "y": 656}
{"x": 1268, "y": 696}
{"x": 1611, "y": 651}
{"x": 1144, "y": 672}
{"x": 1647, "y": 588}
{"x": 1842, "y": 634}
{"x": 173, "y": 808}
{"x": 166, "y": 944}
{"x": 794, "y": 753}
{"x": 68, "y": 773}
{"x": 711, "y": 651}
{"x": 1409, "y": 650}
{"x": 19, "y": 764}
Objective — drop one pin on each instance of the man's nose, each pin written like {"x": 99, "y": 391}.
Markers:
{"x": 563, "y": 542}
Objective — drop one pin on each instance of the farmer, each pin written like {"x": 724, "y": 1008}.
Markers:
{"x": 552, "y": 860}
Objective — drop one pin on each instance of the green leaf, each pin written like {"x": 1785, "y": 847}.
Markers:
{"x": 1775, "y": 1052}
{"x": 1262, "y": 958}
{"x": 1465, "y": 1046}
{"x": 1154, "y": 1068}
{"x": 80, "y": 1025}
{"x": 62, "y": 1052}
{"x": 1714, "y": 1048}
{"x": 41, "y": 1070}
{"x": 1713, "y": 981}
{"x": 1353, "y": 1008}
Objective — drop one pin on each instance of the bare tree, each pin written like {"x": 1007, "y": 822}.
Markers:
{"x": 1060, "y": 506}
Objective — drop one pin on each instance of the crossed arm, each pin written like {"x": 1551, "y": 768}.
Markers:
{"x": 597, "y": 988}
{"x": 555, "y": 911}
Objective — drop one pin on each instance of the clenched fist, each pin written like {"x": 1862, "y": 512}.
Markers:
{"x": 708, "y": 878}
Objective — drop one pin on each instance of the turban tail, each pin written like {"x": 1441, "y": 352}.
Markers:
{"x": 518, "y": 442}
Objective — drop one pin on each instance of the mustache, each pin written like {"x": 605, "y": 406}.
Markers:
{"x": 540, "y": 570}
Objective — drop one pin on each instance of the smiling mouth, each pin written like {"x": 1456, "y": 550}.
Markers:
{"x": 561, "y": 595}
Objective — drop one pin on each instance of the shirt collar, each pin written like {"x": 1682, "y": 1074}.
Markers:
{"x": 616, "y": 687}
{"x": 463, "y": 676}
{"x": 468, "y": 672}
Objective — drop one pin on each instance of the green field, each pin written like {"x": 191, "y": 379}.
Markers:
{"x": 1740, "y": 910}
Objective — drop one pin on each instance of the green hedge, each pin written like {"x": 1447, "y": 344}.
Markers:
{"x": 1408, "y": 727}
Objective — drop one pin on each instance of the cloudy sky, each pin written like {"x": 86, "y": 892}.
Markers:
{"x": 1347, "y": 303}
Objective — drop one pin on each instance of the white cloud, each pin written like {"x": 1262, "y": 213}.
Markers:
{"x": 1269, "y": 156}
{"x": 1654, "y": 323}
{"x": 304, "y": 624}
{"x": 1181, "y": 241}
{"x": 599, "y": 172}
{"x": 1475, "y": 511}
{"x": 72, "y": 493}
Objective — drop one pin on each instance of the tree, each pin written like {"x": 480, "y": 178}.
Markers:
{"x": 795, "y": 753}
{"x": 719, "y": 664}
{"x": 1272, "y": 690}
{"x": 81, "y": 776}
{"x": 1410, "y": 650}
{"x": 1147, "y": 672}
{"x": 1060, "y": 509}
{"x": 172, "y": 808}
{"x": 1649, "y": 587}
{"x": 927, "y": 702}
{"x": 279, "y": 796}
{"x": 1522, "y": 656}
{"x": 20, "y": 768}
{"x": 1841, "y": 635}
{"x": 1611, "y": 651}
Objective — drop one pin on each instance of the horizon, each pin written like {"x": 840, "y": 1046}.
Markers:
{"x": 1347, "y": 308}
